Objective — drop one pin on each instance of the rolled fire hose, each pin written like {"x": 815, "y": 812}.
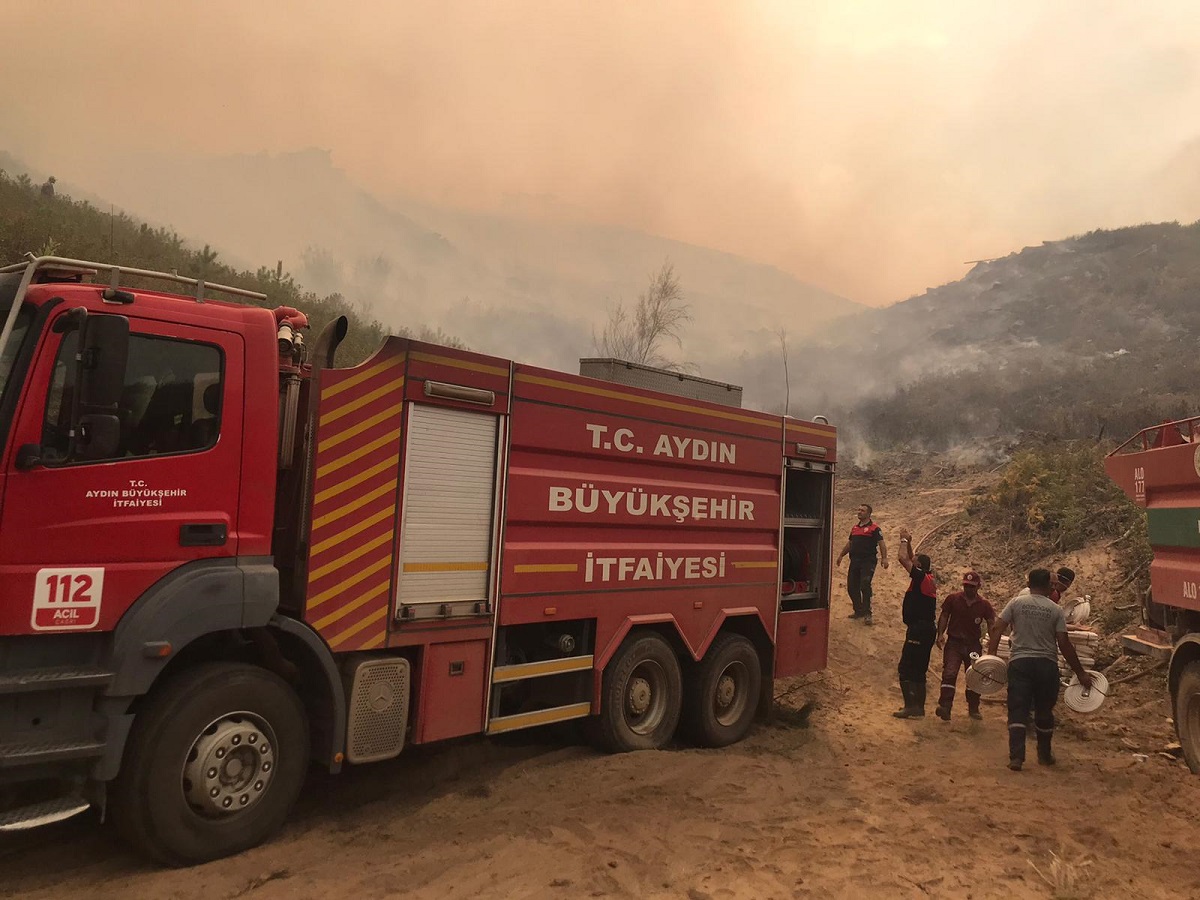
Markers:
{"x": 1086, "y": 701}
{"x": 986, "y": 674}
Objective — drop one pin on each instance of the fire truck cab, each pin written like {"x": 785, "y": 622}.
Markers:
{"x": 223, "y": 558}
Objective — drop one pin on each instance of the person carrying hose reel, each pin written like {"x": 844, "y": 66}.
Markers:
{"x": 1039, "y": 632}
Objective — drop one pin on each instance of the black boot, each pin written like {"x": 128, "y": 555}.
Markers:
{"x": 973, "y": 706}
{"x": 906, "y": 691}
{"x": 918, "y": 688}
{"x": 1045, "y": 754}
{"x": 914, "y": 700}
{"x": 1016, "y": 746}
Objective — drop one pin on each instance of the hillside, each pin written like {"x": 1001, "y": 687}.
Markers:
{"x": 1089, "y": 336}
{"x": 1086, "y": 337}
{"x": 63, "y": 226}
{"x": 525, "y": 283}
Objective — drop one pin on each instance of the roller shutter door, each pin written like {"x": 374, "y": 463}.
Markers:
{"x": 449, "y": 494}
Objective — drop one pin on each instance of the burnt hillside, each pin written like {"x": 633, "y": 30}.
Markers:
{"x": 1094, "y": 335}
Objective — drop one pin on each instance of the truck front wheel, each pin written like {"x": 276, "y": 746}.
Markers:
{"x": 216, "y": 760}
{"x": 722, "y": 696}
{"x": 642, "y": 696}
{"x": 1187, "y": 714}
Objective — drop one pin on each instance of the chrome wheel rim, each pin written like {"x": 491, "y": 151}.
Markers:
{"x": 230, "y": 765}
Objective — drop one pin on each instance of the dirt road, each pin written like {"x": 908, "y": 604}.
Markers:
{"x": 840, "y": 801}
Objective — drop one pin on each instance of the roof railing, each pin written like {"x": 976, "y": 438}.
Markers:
{"x": 1187, "y": 431}
{"x": 34, "y": 264}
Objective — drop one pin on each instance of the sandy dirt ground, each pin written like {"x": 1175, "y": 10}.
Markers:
{"x": 833, "y": 798}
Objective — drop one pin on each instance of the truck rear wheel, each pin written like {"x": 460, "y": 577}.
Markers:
{"x": 642, "y": 696}
{"x": 1187, "y": 714}
{"x": 216, "y": 760}
{"x": 721, "y": 698}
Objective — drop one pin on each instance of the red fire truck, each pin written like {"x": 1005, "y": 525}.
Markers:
{"x": 223, "y": 558}
{"x": 1159, "y": 467}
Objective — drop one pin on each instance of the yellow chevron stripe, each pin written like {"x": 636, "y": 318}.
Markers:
{"x": 366, "y": 474}
{"x": 358, "y": 626}
{"x": 332, "y": 415}
{"x": 351, "y": 507}
{"x": 333, "y": 440}
{"x": 546, "y": 567}
{"x": 361, "y": 525}
{"x": 644, "y": 401}
{"x": 365, "y": 375}
{"x": 359, "y": 453}
{"x": 459, "y": 364}
{"x": 375, "y": 642}
{"x": 755, "y": 565}
{"x": 326, "y": 595}
{"x": 446, "y": 567}
{"x": 338, "y": 614}
{"x": 350, "y": 557}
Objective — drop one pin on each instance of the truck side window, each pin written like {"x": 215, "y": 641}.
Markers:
{"x": 171, "y": 401}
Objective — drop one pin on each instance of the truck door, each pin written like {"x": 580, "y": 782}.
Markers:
{"x": 82, "y": 540}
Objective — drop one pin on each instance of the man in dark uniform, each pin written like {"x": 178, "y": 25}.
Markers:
{"x": 865, "y": 541}
{"x": 1039, "y": 632}
{"x": 959, "y": 634}
{"x": 920, "y": 614}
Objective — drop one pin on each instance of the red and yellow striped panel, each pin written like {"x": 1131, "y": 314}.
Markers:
{"x": 355, "y": 494}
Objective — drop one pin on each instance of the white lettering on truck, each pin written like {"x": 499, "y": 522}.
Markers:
{"x": 652, "y": 568}
{"x": 671, "y": 446}
{"x": 587, "y": 498}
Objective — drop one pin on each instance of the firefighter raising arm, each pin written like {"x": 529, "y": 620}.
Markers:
{"x": 904, "y": 553}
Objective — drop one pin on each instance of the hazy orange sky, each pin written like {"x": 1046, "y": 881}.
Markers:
{"x": 869, "y": 148}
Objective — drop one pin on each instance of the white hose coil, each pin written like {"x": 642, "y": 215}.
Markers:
{"x": 1086, "y": 701}
{"x": 987, "y": 675}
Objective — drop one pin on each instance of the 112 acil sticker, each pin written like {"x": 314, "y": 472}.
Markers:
{"x": 67, "y": 599}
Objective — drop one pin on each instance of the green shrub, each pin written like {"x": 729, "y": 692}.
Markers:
{"x": 1056, "y": 497}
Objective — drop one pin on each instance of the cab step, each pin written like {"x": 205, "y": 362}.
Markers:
{"x": 24, "y": 681}
{"x": 30, "y": 753}
{"x": 37, "y": 814}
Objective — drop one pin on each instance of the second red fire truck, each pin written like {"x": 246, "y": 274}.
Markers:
{"x": 223, "y": 558}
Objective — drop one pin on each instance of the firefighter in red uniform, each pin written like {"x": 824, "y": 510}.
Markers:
{"x": 959, "y": 635}
{"x": 865, "y": 540}
{"x": 920, "y": 613}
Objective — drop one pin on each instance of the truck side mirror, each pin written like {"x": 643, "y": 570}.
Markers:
{"x": 104, "y": 350}
{"x": 99, "y": 380}
{"x": 99, "y": 436}
{"x": 29, "y": 456}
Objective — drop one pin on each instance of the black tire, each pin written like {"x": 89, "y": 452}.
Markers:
{"x": 1187, "y": 714}
{"x": 721, "y": 694}
{"x": 239, "y": 725}
{"x": 641, "y": 697}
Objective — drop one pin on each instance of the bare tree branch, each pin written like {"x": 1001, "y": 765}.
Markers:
{"x": 637, "y": 335}
{"x": 787, "y": 381}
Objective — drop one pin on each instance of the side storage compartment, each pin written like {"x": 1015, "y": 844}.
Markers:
{"x": 453, "y": 680}
{"x": 802, "y": 645}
